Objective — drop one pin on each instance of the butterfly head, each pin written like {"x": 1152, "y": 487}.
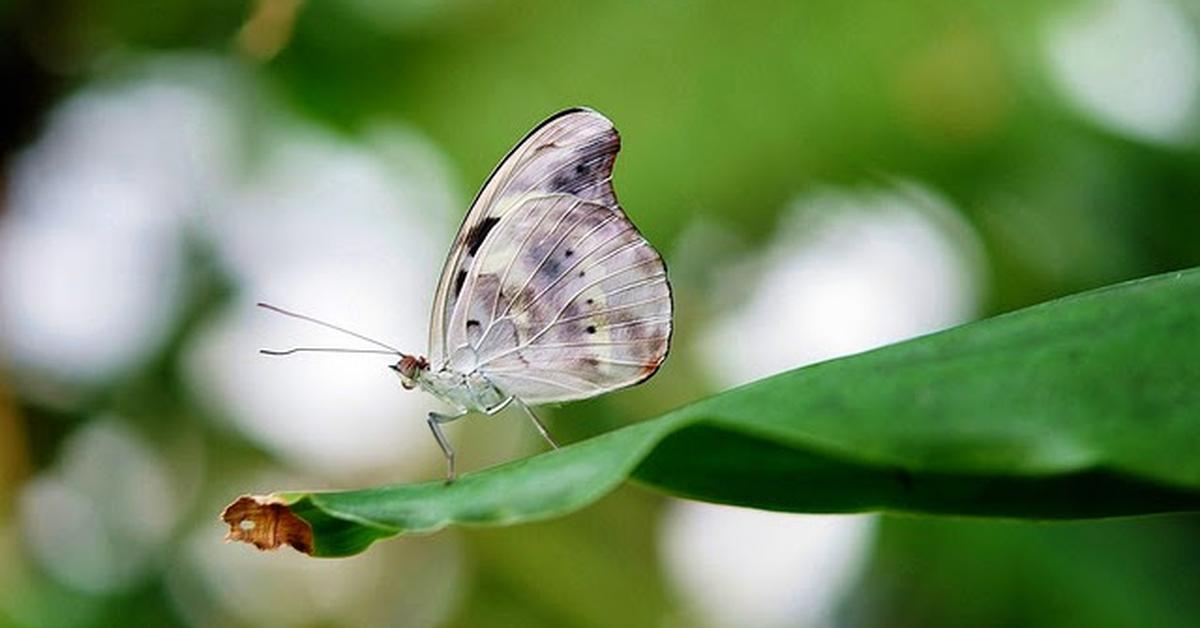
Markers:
{"x": 409, "y": 368}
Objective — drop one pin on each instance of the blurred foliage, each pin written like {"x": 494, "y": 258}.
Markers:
{"x": 1115, "y": 573}
{"x": 727, "y": 111}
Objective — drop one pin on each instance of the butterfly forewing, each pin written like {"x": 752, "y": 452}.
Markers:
{"x": 562, "y": 298}
{"x": 572, "y": 153}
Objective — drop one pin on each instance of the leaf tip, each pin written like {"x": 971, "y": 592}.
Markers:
{"x": 266, "y": 522}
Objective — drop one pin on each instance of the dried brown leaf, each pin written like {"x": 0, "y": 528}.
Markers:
{"x": 266, "y": 522}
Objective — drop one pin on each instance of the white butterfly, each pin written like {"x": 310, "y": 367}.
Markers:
{"x": 549, "y": 292}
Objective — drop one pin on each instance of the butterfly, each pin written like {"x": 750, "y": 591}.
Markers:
{"x": 548, "y": 294}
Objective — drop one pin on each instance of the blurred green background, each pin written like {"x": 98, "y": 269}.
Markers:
{"x": 822, "y": 177}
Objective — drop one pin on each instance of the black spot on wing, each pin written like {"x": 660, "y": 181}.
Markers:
{"x": 479, "y": 233}
{"x": 589, "y": 165}
{"x": 458, "y": 282}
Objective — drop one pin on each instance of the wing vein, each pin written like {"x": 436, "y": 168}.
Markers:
{"x": 597, "y": 343}
{"x": 610, "y": 310}
{"x": 635, "y": 323}
{"x": 558, "y": 317}
{"x": 470, "y": 291}
{"x": 551, "y": 173}
{"x": 512, "y": 301}
{"x": 566, "y": 273}
{"x": 541, "y": 264}
{"x": 512, "y": 262}
{"x": 616, "y": 362}
{"x": 524, "y": 374}
{"x": 557, "y": 224}
{"x": 550, "y": 253}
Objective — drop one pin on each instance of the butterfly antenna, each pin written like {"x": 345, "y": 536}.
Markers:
{"x": 321, "y": 350}
{"x": 303, "y": 317}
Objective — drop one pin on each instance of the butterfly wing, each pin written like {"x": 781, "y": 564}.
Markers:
{"x": 561, "y": 298}
{"x": 566, "y": 301}
{"x": 571, "y": 152}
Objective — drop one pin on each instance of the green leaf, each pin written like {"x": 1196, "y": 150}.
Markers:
{"x": 1087, "y": 406}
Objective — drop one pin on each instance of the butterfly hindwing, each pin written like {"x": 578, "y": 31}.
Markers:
{"x": 560, "y": 297}
{"x": 567, "y": 301}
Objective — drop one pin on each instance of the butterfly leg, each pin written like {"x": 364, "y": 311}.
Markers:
{"x": 498, "y": 407}
{"x": 537, "y": 422}
{"x": 435, "y": 424}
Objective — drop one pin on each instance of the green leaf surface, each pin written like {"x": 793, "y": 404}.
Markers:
{"x": 1088, "y": 406}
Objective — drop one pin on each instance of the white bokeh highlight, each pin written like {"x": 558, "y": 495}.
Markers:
{"x": 1133, "y": 66}
{"x": 91, "y": 243}
{"x": 350, "y": 234}
{"x": 759, "y": 568}
{"x": 97, "y": 521}
{"x": 849, "y": 270}
{"x": 100, "y": 211}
